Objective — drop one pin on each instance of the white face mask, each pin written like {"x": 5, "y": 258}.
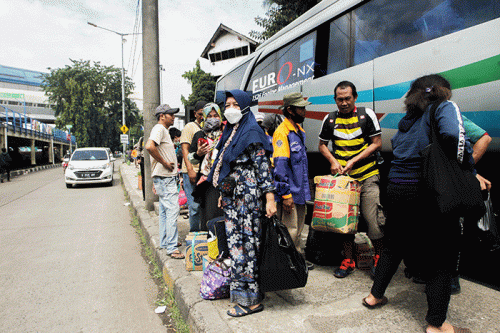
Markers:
{"x": 233, "y": 115}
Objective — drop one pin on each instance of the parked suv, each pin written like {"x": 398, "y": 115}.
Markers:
{"x": 88, "y": 166}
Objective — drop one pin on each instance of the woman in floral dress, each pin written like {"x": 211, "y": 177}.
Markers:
{"x": 242, "y": 173}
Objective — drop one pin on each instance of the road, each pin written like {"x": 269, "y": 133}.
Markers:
{"x": 70, "y": 260}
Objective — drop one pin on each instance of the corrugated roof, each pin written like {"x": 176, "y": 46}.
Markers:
{"x": 20, "y": 76}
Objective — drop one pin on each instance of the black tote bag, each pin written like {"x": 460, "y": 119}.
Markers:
{"x": 281, "y": 266}
{"x": 456, "y": 190}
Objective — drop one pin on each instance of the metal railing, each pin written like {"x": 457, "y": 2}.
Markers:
{"x": 19, "y": 123}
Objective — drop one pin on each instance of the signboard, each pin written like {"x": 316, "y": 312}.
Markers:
{"x": 124, "y": 138}
{"x": 124, "y": 129}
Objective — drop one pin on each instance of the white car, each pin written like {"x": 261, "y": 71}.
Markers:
{"x": 89, "y": 166}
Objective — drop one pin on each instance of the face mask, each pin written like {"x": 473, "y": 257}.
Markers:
{"x": 211, "y": 124}
{"x": 233, "y": 115}
{"x": 297, "y": 118}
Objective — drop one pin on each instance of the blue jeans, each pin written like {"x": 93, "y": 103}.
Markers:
{"x": 166, "y": 188}
{"x": 194, "y": 207}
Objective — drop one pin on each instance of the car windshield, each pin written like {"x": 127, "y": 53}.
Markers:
{"x": 89, "y": 155}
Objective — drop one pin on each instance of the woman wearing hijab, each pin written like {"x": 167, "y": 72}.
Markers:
{"x": 202, "y": 151}
{"x": 242, "y": 174}
{"x": 427, "y": 241}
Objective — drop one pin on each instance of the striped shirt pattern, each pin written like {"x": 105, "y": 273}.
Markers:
{"x": 349, "y": 141}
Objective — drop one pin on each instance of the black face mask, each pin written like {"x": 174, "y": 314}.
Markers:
{"x": 297, "y": 118}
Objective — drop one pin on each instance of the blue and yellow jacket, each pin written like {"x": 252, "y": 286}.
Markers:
{"x": 290, "y": 163}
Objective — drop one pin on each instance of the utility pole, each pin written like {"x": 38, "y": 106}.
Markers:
{"x": 151, "y": 84}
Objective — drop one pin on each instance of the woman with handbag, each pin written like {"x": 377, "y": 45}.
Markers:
{"x": 242, "y": 174}
{"x": 416, "y": 231}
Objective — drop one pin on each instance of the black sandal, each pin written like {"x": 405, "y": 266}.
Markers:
{"x": 241, "y": 310}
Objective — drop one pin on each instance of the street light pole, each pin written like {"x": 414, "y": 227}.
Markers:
{"x": 122, "y": 35}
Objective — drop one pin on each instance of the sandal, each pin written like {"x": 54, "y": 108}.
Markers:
{"x": 380, "y": 304}
{"x": 241, "y": 310}
{"x": 176, "y": 255}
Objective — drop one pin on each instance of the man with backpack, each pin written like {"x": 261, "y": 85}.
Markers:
{"x": 356, "y": 137}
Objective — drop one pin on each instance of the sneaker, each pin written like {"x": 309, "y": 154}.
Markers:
{"x": 346, "y": 268}
{"x": 374, "y": 264}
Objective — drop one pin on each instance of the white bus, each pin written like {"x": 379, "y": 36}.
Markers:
{"x": 381, "y": 46}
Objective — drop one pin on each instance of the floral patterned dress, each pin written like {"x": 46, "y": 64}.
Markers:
{"x": 243, "y": 211}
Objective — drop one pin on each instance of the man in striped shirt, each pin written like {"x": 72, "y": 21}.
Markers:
{"x": 356, "y": 137}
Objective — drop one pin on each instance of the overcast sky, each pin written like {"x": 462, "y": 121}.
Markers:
{"x": 41, "y": 34}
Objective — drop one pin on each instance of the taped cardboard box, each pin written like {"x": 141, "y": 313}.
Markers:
{"x": 196, "y": 248}
{"x": 336, "y": 205}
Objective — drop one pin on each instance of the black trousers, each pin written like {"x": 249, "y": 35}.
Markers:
{"x": 427, "y": 242}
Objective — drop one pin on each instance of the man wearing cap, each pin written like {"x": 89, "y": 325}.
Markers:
{"x": 291, "y": 176}
{"x": 164, "y": 173}
{"x": 190, "y": 172}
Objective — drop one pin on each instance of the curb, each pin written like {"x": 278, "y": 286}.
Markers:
{"x": 200, "y": 315}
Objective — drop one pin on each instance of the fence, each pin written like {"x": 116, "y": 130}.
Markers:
{"x": 19, "y": 123}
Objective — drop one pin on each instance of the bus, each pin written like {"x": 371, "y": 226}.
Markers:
{"x": 381, "y": 46}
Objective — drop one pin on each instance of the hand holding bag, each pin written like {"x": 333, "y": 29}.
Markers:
{"x": 456, "y": 190}
{"x": 216, "y": 279}
{"x": 281, "y": 265}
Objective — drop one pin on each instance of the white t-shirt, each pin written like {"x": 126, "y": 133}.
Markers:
{"x": 161, "y": 136}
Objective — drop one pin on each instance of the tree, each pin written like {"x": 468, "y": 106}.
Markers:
{"x": 202, "y": 86}
{"x": 279, "y": 15}
{"x": 89, "y": 98}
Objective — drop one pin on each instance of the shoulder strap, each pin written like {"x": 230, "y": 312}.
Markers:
{"x": 362, "y": 120}
{"x": 433, "y": 123}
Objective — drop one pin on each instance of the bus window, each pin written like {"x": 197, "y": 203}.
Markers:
{"x": 291, "y": 64}
{"x": 230, "y": 81}
{"x": 233, "y": 80}
{"x": 338, "y": 49}
{"x": 382, "y": 27}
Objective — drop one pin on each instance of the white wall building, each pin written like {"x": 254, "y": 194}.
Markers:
{"x": 225, "y": 49}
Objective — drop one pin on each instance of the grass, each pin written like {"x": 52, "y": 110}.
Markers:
{"x": 165, "y": 296}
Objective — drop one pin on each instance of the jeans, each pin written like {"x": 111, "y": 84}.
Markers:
{"x": 194, "y": 207}
{"x": 166, "y": 188}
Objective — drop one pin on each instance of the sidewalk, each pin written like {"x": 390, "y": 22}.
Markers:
{"x": 325, "y": 304}
{"x": 20, "y": 172}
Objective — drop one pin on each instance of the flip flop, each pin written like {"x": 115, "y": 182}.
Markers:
{"x": 176, "y": 255}
{"x": 383, "y": 302}
{"x": 241, "y": 310}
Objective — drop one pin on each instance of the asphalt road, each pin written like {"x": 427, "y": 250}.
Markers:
{"x": 70, "y": 260}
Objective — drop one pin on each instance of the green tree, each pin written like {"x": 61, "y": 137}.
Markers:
{"x": 88, "y": 96}
{"x": 279, "y": 15}
{"x": 202, "y": 86}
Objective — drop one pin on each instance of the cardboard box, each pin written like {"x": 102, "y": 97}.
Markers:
{"x": 196, "y": 248}
{"x": 336, "y": 205}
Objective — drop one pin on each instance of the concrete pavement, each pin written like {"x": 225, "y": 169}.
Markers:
{"x": 325, "y": 304}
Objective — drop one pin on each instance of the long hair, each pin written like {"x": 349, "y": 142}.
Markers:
{"x": 424, "y": 91}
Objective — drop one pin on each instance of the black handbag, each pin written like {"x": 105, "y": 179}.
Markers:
{"x": 455, "y": 190}
{"x": 281, "y": 266}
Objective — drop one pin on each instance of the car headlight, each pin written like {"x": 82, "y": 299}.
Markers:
{"x": 71, "y": 166}
{"x": 105, "y": 166}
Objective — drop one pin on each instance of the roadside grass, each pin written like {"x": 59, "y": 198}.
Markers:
{"x": 172, "y": 318}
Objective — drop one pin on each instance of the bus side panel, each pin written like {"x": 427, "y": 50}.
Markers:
{"x": 320, "y": 93}
{"x": 468, "y": 59}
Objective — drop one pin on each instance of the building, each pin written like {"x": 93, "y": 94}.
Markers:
{"x": 21, "y": 91}
{"x": 225, "y": 49}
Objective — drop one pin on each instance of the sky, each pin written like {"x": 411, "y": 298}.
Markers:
{"x": 42, "y": 34}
